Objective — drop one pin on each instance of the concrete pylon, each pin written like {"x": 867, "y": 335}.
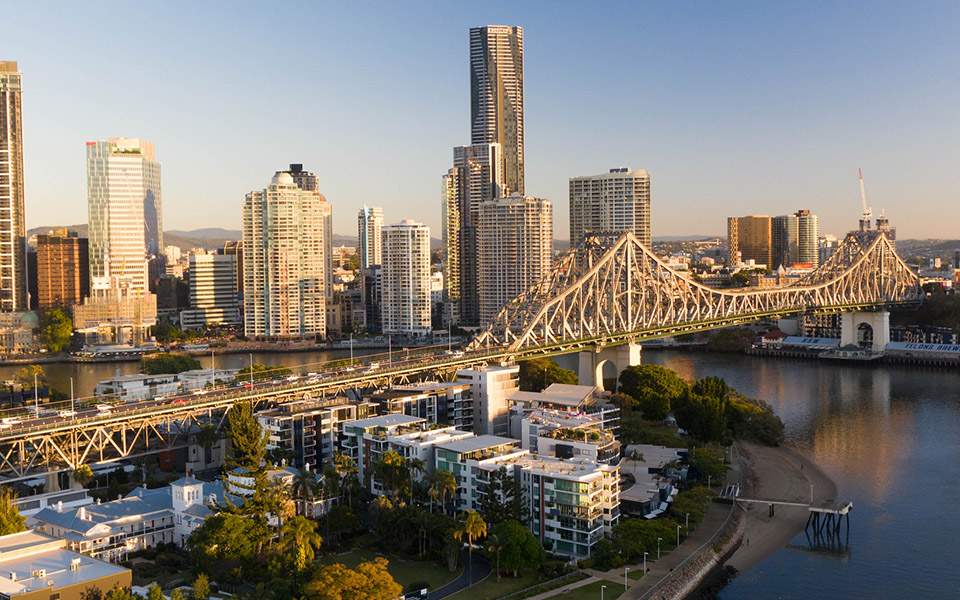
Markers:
{"x": 590, "y": 371}
{"x": 878, "y": 321}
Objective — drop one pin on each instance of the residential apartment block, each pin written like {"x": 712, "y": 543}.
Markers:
{"x": 405, "y": 307}
{"x": 369, "y": 226}
{"x": 63, "y": 269}
{"x": 214, "y": 299}
{"x": 750, "y": 240}
{"x": 13, "y": 243}
{"x": 614, "y": 201}
{"x": 490, "y": 387}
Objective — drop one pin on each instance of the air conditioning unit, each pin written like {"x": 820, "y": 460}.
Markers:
{"x": 75, "y": 564}
{"x": 41, "y": 573}
{"x": 13, "y": 575}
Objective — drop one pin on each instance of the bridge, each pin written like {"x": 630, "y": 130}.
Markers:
{"x": 601, "y": 299}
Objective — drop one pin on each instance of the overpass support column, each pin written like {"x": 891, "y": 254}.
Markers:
{"x": 590, "y": 371}
{"x": 879, "y": 323}
{"x": 51, "y": 483}
{"x": 628, "y": 355}
{"x": 587, "y": 368}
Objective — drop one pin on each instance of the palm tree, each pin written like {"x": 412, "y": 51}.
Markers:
{"x": 82, "y": 475}
{"x": 432, "y": 490}
{"x": 303, "y": 539}
{"x": 495, "y": 545}
{"x": 207, "y": 436}
{"x": 305, "y": 486}
{"x": 473, "y": 527}
{"x": 414, "y": 464}
{"x": 446, "y": 486}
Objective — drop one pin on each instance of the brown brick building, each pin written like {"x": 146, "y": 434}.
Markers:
{"x": 63, "y": 269}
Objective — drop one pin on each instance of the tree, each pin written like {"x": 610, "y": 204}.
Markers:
{"x": 473, "y": 527}
{"x": 222, "y": 536}
{"x": 55, "y": 330}
{"x": 305, "y": 486}
{"x": 25, "y": 377}
{"x": 520, "y": 549}
{"x": 11, "y": 521}
{"x": 207, "y": 436}
{"x": 302, "y": 539}
{"x": 169, "y": 364}
{"x": 707, "y": 465}
{"x": 176, "y": 595}
{"x": 414, "y": 465}
{"x": 503, "y": 499}
{"x": 495, "y": 545}
{"x": 83, "y": 475}
{"x": 201, "y": 587}
{"x": 370, "y": 581}
{"x": 442, "y": 484}
{"x": 247, "y": 438}
{"x": 653, "y": 388}
{"x": 392, "y": 472}
{"x": 119, "y": 593}
{"x": 154, "y": 592}
{"x": 538, "y": 373}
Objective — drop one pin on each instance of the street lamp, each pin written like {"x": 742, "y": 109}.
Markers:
{"x": 602, "y": 587}
{"x": 36, "y": 398}
{"x": 625, "y": 571}
{"x": 74, "y": 414}
{"x": 811, "y": 494}
{"x": 710, "y": 481}
{"x": 687, "y": 523}
{"x": 645, "y": 563}
{"x": 389, "y": 351}
{"x": 251, "y": 370}
{"x": 351, "y": 349}
{"x": 658, "y": 548}
{"x": 678, "y": 534}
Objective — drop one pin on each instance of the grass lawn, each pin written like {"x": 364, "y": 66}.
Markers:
{"x": 591, "y": 591}
{"x": 404, "y": 570}
{"x": 488, "y": 589}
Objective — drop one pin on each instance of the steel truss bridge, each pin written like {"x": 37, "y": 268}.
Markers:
{"x": 609, "y": 290}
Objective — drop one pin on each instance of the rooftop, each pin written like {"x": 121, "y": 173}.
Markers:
{"x": 386, "y": 421}
{"x": 556, "y": 467}
{"x": 478, "y": 442}
{"x": 28, "y": 551}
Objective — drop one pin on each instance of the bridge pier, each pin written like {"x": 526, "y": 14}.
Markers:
{"x": 591, "y": 362}
{"x": 865, "y": 327}
{"x": 51, "y": 482}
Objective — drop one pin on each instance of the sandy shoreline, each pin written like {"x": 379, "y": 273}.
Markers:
{"x": 780, "y": 474}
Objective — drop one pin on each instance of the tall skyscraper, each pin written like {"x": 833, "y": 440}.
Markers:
{"x": 213, "y": 291}
{"x": 496, "y": 96}
{"x": 311, "y": 183}
{"x": 808, "y": 238}
{"x": 405, "y": 306}
{"x": 450, "y": 235}
{"x": 514, "y": 241}
{"x": 283, "y": 261}
{"x": 614, "y": 201}
{"x": 784, "y": 241}
{"x": 476, "y": 177}
{"x": 63, "y": 269}
{"x": 13, "y": 247}
{"x": 124, "y": 215}
{"x": 369, "y": 226}
{"x": 750, "y": 239}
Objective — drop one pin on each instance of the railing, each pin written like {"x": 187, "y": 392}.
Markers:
{"x": 545, "y": 586}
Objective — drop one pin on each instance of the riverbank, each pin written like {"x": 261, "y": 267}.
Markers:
{"x": 776, "y": 474}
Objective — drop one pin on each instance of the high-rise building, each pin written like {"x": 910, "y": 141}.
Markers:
{"x": 124, "y": 215}
{"x": 808, "y": 238}
{"x": 283, "y": 261}
{"x": 750, "y": 239}
{"x": 514, "y": 242}
{"x": 496, "y": 96}
{"x": 490, "y": 388}
{"x": 63, "y": 269}
{"x": 614, "y": 201}
{"x": 405, "y": 306}
{"x": 476, "y": 177}
{"x": 784, "y": 240}
{"x": 311, "y": 183}
{"x": 369, "y": 226}
{"x": 13, "y": 247}
{"x": 213, "y": 291}
{"x": 450, "y": 235}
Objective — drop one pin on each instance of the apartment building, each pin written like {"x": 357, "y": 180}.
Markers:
{"x": 366, "y": 439}
{"x": 565, "y": 434}
{"x": 614, "y": 201}
{"x": 214, "y": 299}
{"x": 465, "y": 457}
{"x": 585, "y": 399}
{"x": 406, "y": 305}
{"x": 490, "y": 387}
{"x": 63, "y": 269}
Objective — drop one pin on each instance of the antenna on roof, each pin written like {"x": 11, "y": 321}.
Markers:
{"x": 867, "y": 210}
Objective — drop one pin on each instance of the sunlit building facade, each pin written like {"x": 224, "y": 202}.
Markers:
{"x": 13, "y": 249}
{"x": 614, "y": 201}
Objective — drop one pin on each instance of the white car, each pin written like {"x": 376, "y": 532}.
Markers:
{"x": 66, "y": 414}
{"x": 199, "y": 392}
{"x": 10, "y": 422}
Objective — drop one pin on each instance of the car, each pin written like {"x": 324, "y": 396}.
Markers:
{"x": 10, "y": 421}
{"x": 158, "y": 398}
{"x": 349, "y": 369}
{"x": 179, "y": 401}
{"x": 199, "y": 392}
{"x": 66, "y": 414}
{"x": 104, "y": 407}
{"x": 293, "y": 377}
{"x": 372, "y": 366}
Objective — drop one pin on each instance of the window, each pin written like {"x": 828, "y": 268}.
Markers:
{"x": 55, "y": 596}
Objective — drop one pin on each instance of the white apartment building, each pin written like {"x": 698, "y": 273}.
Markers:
{"x": 366, "y": 439}
{"x": 369, "y": 227}
{"x": 614, "y": 201}
{"x": 808, "y": 238}
{"x": 422, "y": 445}
{"x": 574, "y": 398}
{"x": 490, "y": 387}
{"x": 514, "y": 242}
{"x": 283, "y": 261}
{"x": 465, "y": 458}
{"x": 124, "y": 211}
{"x": 565, "y": 434}
{"x": 13, "y": 247}
{"x": 214, "y": 299}
{"x": 405, "y": 306}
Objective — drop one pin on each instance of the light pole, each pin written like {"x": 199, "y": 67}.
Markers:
{"x": 658, "y": 548}
{"x": 625, "y": 571}
{"x": 811, "y": 494}
{"x": 602, "y": 587}
{"x": 389, "y": 351}
{"x": 213, "y": 370}
{"x": 687, "y": 523}
{"x": 678, "y": 534}
{"x": 645, "y": 563}
{"x": 351, "y": 350}
{"x": 710, "y": 481}
{"x": 74, "y": 415}
{"x": 251, "y": 369}
{"x": 36, "y": 397}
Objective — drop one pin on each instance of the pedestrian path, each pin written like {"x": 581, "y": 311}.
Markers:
{"x": 564, "y": 589}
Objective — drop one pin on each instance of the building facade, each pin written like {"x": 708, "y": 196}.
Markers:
{"x": 63, "y": 269}
{"x": 808, "y": 238}
{"x": 283, "y": 266}
{"x": 784, "y": 240}
{"x": 496, "y": 97}
{"x": 614, "y": 201}
{"x": 750, "y": 239}
{"x": 406, "y": 306}
{"x": 515, "y": 242}
{"x": 213, "y": 291}
{"x": 13, "y": 246}
{"x": 369, "y": 228}
{"x": 125, "y": 225}
{"x": 490, "y": 387}
{"x": 309, "y": 182}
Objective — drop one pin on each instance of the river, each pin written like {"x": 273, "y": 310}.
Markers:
{"x": 889, "y": 436}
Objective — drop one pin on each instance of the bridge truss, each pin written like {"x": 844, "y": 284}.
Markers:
{"x": 612, "y": 289}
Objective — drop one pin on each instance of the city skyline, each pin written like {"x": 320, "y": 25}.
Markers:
{"x": 741, "y": 119}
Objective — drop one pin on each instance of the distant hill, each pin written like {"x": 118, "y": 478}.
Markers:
{"x": 685, "y": 238}
{"x": 208, "y": 233}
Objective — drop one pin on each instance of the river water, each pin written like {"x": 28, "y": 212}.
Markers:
{"x": 889, "y": 436}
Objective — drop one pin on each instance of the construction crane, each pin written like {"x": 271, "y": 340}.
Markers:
{"x": 867, "y": 210}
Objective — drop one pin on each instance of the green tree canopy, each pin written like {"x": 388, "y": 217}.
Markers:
{"x": 154, "y": 592}
{"x": 653, "y": 388}
{"x": 222, "y": 536}
{"x": 10, "y": 519}
{"x": 393, "y": 473}
{"x": 169, "y": 364}
{"x": 538, "y": 373}
{"x": 56, "y": 327}
{"x": 370, "y": 581}
{"x": 519, "y": 548}
{"x": 25, "y": 376}
{"x": 201, "y": 587}
{"x": 503, "y": 500}
{"x": 247, "y": 438}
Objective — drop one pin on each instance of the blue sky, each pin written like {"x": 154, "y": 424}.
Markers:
{"x": 734, "y": 108}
